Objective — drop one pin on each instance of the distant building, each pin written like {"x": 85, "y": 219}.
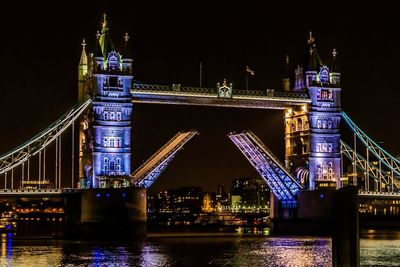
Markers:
{"x": 249, "y": 195}
{"x": 176, "y": 206}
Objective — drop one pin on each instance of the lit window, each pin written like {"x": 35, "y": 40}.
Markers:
{"x": 325, "y": 95}
{"x": 319, "y": 124}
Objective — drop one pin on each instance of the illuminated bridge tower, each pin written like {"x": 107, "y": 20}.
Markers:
{"x": 323, "y": 85}
{"x": 105, "y": 152}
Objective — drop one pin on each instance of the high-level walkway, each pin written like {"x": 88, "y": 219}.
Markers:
{"x": 178, "y": 95}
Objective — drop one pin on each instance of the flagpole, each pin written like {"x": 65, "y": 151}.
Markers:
{"x": 201, "y": 74}
{"x": 247, "y": 80}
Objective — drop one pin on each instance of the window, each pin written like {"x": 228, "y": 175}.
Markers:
{"x": 319, "y": 124}
{"x": 112, "y": 165}
{"x": 105, "y": 165}
{"x": 299, "y": 124}
{"x": 113, "y": 82}
{"x": 112, "y": 142}
{"x": 112, "y": 115}
{"x": 119, "y": 116}
{"x": 325, "y": 95}
{"x": 324, "y": 147}
{"x": 319, "y": 171}
{"x": 105, "y": 115}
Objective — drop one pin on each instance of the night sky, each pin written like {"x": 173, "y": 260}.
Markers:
{"x": 40, "y": 44}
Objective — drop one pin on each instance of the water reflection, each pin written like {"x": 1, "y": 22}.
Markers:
{"x": 239, "y": 250}
{"x": 380, "y": 248}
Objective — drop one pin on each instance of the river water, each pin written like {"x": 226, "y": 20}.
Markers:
{"x": 200, "y": 250}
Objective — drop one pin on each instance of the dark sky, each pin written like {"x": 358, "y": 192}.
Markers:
{"x": 40, "y": 44}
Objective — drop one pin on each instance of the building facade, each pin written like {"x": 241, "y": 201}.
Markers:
{"x": 312, "y": 132}
{"x": 105, "y": 131}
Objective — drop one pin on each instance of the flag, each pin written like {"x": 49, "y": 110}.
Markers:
{"x": 250, "y": 71}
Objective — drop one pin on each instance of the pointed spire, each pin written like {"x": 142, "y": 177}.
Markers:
{"x": 286, "y": 75}
{"x": 104, "y": 39}
{"x": 315, "y": 61}
{"x": 83, "y": 63}
{"x": 97, "y": 48}
{"x": 334, "y": 67}
{"x": 84, "y": 60}
{"x": 126, "y": 37}
{"x": 104, "y": 23}
{"x": 126, "y": 52}
{"x": 299, "y": 82}
{"x": 287, "y": 66}
{"x": 311, "y": 39}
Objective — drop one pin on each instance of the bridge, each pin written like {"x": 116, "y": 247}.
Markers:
{"x": 312, "y": 115}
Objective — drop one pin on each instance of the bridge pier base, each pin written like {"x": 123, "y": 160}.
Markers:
{"x": 323, "y": 212}
{"x": 117, "y": 213}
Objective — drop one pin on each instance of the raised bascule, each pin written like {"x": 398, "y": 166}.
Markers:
{"x": 107, "y": 94}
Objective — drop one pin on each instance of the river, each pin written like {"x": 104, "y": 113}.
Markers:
{"x": 377, "y": 249}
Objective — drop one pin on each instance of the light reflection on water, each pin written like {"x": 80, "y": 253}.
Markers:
{"x": 376, "y": 250}
{"x": 169, "y": 251}
{"x": 380, "y": 248}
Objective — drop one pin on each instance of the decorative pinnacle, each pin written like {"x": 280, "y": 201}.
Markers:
{"x": 83, "y": 43}
{"x": 287, "y": 59}
{"x": 334, "y": 53}
{"x": 104, "y": 24}
{"x": 310, "y": 40}
{"x": 126, "y": 37}
{"x": 224, "y": 82}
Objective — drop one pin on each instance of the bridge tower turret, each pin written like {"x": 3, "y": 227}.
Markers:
{"x": 323, "y": 86}
{"x": 107, "y": 138}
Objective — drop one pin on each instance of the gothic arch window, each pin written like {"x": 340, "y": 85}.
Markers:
{"x": 105, "y": 165}
{"x": 324, "y": 124}
{"x": 112, "y": 165}
{"x": 325, "y": 170}
{"x": 113, "y": 61}
{"x": 299, "y": 124}
{"x": 319, "y": 124}
{"x": 105, "y": 142}
{"x": 306, "y": 125}
{"x": 105, "y": 115}
{"x": 319, "y": 171}
{"x": 329, "y": 124}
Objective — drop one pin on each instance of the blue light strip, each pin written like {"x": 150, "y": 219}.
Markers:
{"x": 381, "y": 154}
{"x": 36, "y": 144}
{"x": 149, "y": 171}
{"x": 151, "y": 177}
{"x": 362, "y": 164}
{"x": 281, "y": 183}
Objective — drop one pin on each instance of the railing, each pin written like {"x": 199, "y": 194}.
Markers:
{"x": 37, "y": 191}
{"x": 179, "y": 90}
